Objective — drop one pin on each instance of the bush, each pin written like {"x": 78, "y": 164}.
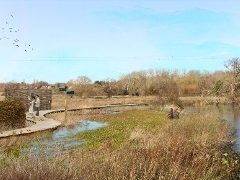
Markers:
{"x": 12, "y": 114}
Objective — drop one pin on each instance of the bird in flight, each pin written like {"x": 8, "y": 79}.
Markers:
{"x": 7, "y": 29}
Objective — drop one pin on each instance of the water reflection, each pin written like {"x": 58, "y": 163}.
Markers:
{"x": 64, "y": 132}
{"x": 228, "y": 112}
{"x": 63, "y": 139}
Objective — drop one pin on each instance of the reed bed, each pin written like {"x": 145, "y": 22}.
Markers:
{"x": 77, "y": 102}
{"x": 137, "y": 145}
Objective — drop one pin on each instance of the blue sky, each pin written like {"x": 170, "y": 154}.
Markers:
{"x": 57, "y": 41}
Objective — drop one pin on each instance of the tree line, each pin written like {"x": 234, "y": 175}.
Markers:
{"x": 152, "y": 82}
{"x": 155, "y": 82}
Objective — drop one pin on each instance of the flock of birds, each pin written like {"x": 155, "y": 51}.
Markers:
{"x": 7, "y": 29}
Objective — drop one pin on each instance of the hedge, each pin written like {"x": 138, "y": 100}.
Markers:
{"x": 12, "y": 114}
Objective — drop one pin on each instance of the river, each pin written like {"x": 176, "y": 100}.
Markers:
{"x": 227, "y": 112}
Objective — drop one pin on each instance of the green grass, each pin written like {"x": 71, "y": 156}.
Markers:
{"x": 120, "y": 126}
{"x": 138, "y": 144}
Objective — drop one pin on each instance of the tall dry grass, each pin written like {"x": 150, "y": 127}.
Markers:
{"x": 13, "y": 142}
{"x": 77, "y": 102}
{"x": 194, "y": 147}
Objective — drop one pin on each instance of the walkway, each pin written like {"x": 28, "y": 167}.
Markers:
{"x": 40, "y": 123}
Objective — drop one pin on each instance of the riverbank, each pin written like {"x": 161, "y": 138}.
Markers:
{"x": 138, "y": 144}
{"x": 49, "y": 120}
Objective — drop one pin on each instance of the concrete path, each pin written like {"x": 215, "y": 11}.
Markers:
{"x": 40, "y": 123}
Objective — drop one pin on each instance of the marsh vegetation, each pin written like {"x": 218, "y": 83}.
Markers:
{"x": 136, "y": 144}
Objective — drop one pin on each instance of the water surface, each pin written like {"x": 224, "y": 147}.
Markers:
{"x": 227, "y": 112}
{"x": 63, "y": 139}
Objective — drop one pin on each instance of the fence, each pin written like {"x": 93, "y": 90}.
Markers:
{"x": 45, "y": 96}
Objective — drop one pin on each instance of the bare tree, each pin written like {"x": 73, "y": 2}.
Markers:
{"x": 108, "y": 87}
{"x": 233, "y": 70}
{"x": 12, "y": 85}
{"x": 168, "y": 92}
{"x": 81, "y": 85}
{"x": 135, "y": 82}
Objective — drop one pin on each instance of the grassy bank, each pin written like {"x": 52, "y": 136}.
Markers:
{"x": 123, "y": 126}
{"x": 138, "y": 145}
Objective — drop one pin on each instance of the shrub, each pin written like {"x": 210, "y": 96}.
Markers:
{"x": 12, "y": 114}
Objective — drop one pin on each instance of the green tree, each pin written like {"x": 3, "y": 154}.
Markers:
{"x": 217, "y": 87}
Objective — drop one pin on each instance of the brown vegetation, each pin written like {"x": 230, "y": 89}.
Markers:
{"x": 12, "y": 114}
{"x": 144, "y": 83}
{"x": 191, "y": 148}
{"x": 78, "y": 102}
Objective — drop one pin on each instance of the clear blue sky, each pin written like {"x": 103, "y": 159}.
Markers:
{"x": 103, "y": 39}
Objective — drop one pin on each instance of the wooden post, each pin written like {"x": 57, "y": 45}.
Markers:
{"x": 65, "y": 105}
